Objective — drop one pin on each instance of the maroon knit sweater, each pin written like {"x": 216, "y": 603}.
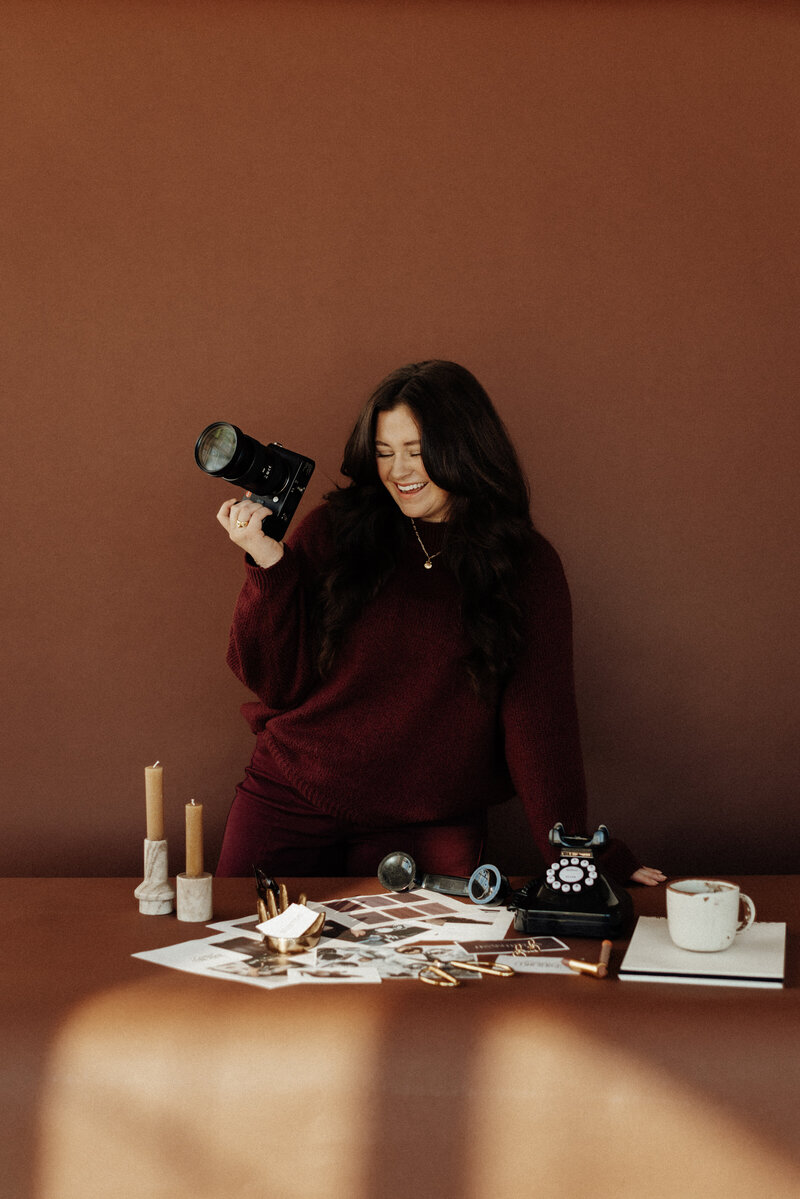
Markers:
{"x": 396, "y": 734}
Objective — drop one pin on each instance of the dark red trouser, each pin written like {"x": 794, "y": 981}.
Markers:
{"x": 272, "y": 824}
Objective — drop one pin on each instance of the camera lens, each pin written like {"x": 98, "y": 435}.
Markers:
{"x": 224, "y": 451}
{"x": 216, "y": 447}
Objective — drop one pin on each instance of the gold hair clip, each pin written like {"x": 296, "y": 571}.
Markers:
{"x": 441, "y": 979}
{"x": 434, "y": 972}
{"x": 498, "y": 968}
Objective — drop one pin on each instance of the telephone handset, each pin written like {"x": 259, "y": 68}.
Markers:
{"x": 574, "y": 898}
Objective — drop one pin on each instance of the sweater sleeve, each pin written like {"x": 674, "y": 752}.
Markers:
{"x": 538, "y": 708}
{"x": 270, "y": 647}
{"x": 540, "y": 718}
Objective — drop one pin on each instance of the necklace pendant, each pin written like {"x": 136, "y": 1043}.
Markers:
{"x": 428, "y": 563}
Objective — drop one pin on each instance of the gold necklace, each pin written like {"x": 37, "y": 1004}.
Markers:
{"x": 428, "y": 557}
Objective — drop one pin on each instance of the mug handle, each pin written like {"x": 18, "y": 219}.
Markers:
{"x": 750, "y": 913}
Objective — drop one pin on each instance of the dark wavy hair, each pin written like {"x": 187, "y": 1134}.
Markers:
{"x": 467, "y": 452}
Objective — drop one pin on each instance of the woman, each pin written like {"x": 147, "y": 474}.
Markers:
{"x": 410, "y": 650}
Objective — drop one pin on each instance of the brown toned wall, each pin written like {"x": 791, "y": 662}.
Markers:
{"x": 252, "y": 211}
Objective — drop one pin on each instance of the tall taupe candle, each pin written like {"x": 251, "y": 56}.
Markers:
{"x": 154, "y": 801}
{"x": 194, "y": 839}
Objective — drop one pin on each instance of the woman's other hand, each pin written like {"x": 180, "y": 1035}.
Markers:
{"x": 648, "y": 876}
{"x": 241, "y": 520}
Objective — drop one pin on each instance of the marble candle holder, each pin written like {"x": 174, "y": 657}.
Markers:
{"x": 195, "y": 898}
{"x": 155, "y": 894}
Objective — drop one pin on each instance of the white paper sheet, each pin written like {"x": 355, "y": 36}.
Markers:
{"x": 295, "y": 921}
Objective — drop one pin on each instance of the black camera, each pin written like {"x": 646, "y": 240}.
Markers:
{"x": 270, "y": 474}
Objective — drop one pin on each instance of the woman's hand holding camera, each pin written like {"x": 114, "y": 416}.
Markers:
{"x": 241, "y": 520}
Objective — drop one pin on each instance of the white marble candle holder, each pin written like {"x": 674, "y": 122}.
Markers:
{"x": 195, "y": 899}
{"x": 155, "y": 894}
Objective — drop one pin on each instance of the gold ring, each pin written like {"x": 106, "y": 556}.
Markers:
{"x": 241, "y": 524}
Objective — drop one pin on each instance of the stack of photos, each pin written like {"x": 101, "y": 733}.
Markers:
{"x": 365, "y": 939}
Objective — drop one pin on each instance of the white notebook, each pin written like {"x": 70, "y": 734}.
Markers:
{"x": 756, "y": 958}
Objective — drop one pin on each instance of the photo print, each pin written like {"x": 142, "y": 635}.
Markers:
{"x": 445, "y": 917}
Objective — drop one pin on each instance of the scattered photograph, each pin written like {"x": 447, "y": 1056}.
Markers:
{"x": 386, "y": 965}
{"x": 246, "y": 925}
{"x": 520, "y": 946}
{"x": 392, "y": 934}
{"x": 249, "y": 946}
{"x": 445, "y": 915}
{"x": 536, "y": 964}
{"x": 252, "y": 968}
{"x": 337, "y": 974}
{"x": 392, "y": 965}
{"x": 359, "y": 943}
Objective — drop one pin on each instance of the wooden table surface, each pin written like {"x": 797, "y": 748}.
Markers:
{"x": 589, "y": 1064}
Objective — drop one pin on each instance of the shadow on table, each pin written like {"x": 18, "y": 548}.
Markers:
{"x": 182, "y": 1088}
{"x": 512, "y": 1095}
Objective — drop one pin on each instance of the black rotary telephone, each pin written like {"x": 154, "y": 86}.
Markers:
{"x": 575, "y": 898}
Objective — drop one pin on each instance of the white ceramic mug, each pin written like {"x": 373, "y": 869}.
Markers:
{"x": 703, "y": 914}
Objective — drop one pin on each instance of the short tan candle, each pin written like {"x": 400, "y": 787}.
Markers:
{"x": 194, "y": 839}
{"x": 154, "y": 801}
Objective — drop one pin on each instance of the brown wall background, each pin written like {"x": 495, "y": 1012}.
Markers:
{"x": 253, "y": 211}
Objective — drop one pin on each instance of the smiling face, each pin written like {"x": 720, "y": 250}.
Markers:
{"x": 401, "y": 469}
